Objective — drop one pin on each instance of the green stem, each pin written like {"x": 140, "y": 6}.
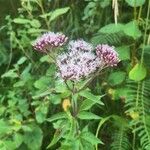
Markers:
{"x": 90, "y": 79}
{"x": 146, "y": 28}
{"x": 24, "y": 51}
{"x": 135, "y": 12}
{"x": 43, "y": 12}
{"x": 99, "y": 127}
{"x": 139, "y": 15}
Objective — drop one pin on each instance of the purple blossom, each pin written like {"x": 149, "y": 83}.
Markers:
{"x": 49, "y": 40}
{"x": 80, "y": 45}
{"x": 107, "y": 54}
{"x": 78, "y": 63}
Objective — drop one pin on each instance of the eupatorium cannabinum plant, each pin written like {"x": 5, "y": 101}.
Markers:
{"x": 80, "y": 62}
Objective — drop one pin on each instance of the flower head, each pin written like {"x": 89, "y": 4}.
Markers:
{"x": 77, "y": 64}
{"x": 80, "y": 45}
{"x": 107, "y": 54}
{"x": 49, "y": 40}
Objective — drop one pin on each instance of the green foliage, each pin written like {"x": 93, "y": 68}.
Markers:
{"x": 133, "y": 3}
{"x": 138, "y": 73}
{"x": 116, "y": 78}
{"x": 138, "y": 107}
{"x": 38, "y": 111}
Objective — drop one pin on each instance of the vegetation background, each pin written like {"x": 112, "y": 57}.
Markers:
{"x": 31, "y": 113}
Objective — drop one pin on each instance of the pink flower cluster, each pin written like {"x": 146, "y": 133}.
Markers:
{"x": 107, "y": 54}
{"x": 79, "y": 62}
{"x": 49, "y": 40}
{"x": 80, "y": 45}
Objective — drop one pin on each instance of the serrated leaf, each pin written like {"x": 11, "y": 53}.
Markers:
{"x": 112, "y": 28}
{"x": 95, "y": 98}
{"x": 138, "y": 72}
{"x": 87, "y": 115}
{"x": 86, "y": 104}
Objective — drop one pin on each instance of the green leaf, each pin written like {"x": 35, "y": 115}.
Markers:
{"x": 41, "y": 112}
{"x": 9, "y": 144}
{"x": 21, "y": 60}
{"x": 120, "y": 93}
{"x": 60, "y": 115}
{"x": 132, "y": 29}
{"x": 135, "y": 3}
{"x": 4, "y": 127}
{"x": 42, "y": 83}
{"x": 2, "y": 145}
{"x": 105, "y": 3}
{"x": 112, "y": 28}
{"x": 21, "y": 21}
{"x": 60, "y": 87}
{"x": 58, "y": 134}
{"x": 18, "y": 139}
{"x": 87, "y": 115}
{"x": 124, "y": 52}
{"x": 138, "y": 72}
{"x": 55, "y": 99}
{"x": 45, "y": 58}
{"x": 10, "y": 74}
{"x": 116, "y": 78}
{"x": 43, "y": 94}
{"x": 58, "y": 12}
{"x": 86, "y": 104}
{"x": 88, "y": 136}
{"x": 87, "y": 94}
{"x": 35, "y": 23}
{"x": 34, "y": 138}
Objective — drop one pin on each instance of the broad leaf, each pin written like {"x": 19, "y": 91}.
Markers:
{"x": 112, "y": 28}
{"x": 124, "y": 52}
{"x": 132, "y": 29}
{"x": 116, "y": 78}
{"x": 135, "y": 3}
{"x": 138, "y": 72}
{"x": 33, "y": 139}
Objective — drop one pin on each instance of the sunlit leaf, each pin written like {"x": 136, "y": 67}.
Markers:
{"x": 138, "y": 72}
{"x": 132, "y": 29}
